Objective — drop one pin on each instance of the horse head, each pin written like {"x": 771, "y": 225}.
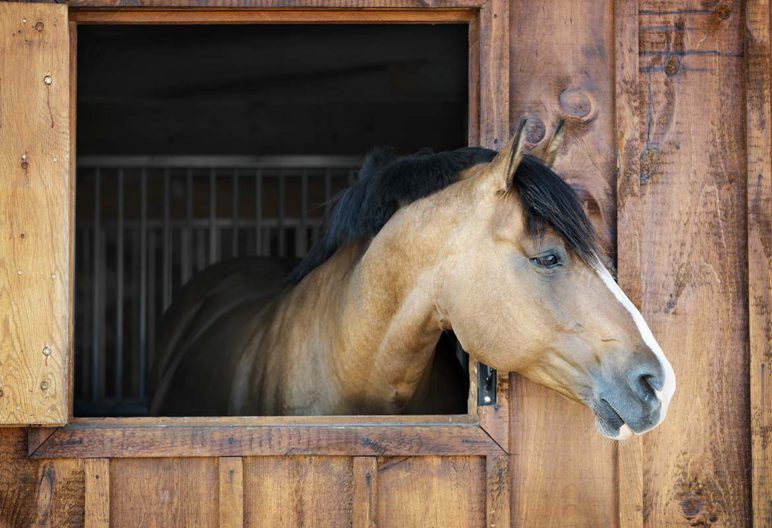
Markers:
{"x": 525, "y": 289}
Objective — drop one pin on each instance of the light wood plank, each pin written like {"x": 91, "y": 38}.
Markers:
{"x": 759, "y": 146}
{"x": 164, "y": 492}
{"x": 298, "y": 491}
{"x": 629, "y": 144}
{"x": 497, "y": 491}
{"x": 35, "y": 306}
{"x": 365, "y": 492}
{"x": 432, "y": 492}
{"x": 693, "y": 256}
{"x": 97, "y": 493}
{"x": 231, "y": 503}
{"x": 557, "y": 48}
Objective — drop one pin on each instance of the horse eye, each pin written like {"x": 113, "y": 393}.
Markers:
{"x": 548, "y": 261}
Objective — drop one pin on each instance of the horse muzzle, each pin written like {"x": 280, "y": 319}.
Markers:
{"x": 630, "y": 402}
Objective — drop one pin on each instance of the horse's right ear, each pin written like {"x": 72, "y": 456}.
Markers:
{"x": 504, "y": 165}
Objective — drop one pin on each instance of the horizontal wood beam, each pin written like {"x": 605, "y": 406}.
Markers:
{"x": 148, "y": 440}
{"x": 193, "y": 15}
{"x": 315, "y": 5}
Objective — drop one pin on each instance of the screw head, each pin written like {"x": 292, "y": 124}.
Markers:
{"x": 44, "y": 385}
{"x": 487, "y": 399}
{"x": 47, "y": 351}
{"x": 48, "y": 79}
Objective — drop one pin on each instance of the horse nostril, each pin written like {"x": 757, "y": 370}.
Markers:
{"x": 645, "y": 385}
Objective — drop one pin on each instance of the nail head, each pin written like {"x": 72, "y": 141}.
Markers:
{"x": 47, "y": 350}
{"x": 48, "y": 79}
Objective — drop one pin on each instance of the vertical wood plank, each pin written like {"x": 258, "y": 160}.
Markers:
{"x": 628, "y": 143}
{"x": 494, "y": 73}
{"x": 693, "y": 262}
{"x": 432, "y": 492}
{"x": 759, "y": 174}
{"x": 298, "y": 491}
{"x": 231, "y": 503}
{"x": 497, "y": 491}
{"x": 563, "y": 471}
{"x": 365, "y": 492}
{"x": 35, "y": 201}
{"x": 97, "y": 493}
{"x": 164, "y": 492}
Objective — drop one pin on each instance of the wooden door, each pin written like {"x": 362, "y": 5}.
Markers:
{"x": 36, "y": 204}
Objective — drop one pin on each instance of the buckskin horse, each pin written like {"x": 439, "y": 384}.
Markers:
{"x": 493, "y": 246}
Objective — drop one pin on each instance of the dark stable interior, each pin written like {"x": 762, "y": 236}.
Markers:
{"x": 200, "y": 143}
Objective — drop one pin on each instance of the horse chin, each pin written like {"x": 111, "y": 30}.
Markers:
{"x": 609, "y": 423}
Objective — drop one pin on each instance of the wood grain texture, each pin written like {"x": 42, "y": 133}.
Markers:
{"x": 35, "y": 200}
{"x": 97, "y": 492}
{"x": 759, "y": 189}
{"x": 231, "y": 492}
{"x": 37, "y": 492}
{"x": 431, "y": 492}
{"x": 493, "y": 33}
{"x": 494, "y": 419}
{"x": 563, "y": 471}
{"x": 365, "y": 501}
{"x": 629, "y": 226}
{"x": 74, "y": 441}
{"x": 353, "y": 5}
{"x": 164, "y": 492}
{"x": 191, "y": 15}
{"x": 298, "y": 491}
{"x": 497, "y": 491}
{"x": 691, "y": 247}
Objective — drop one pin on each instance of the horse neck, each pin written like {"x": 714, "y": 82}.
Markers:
{"x": 388, "y": 322}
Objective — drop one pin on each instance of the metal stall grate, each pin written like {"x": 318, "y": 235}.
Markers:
{"x": 146, "y": 225}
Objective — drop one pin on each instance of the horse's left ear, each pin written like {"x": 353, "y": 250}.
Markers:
{"x": 508, "y": 159}
{"x": 547, "y": 151}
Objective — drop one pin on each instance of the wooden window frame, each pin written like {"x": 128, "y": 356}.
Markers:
{"x": 484, "y": 430}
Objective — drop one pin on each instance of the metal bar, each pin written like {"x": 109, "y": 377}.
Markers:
{"x": 235, "y": 202}
{"x": 96, "y": 352}
{"x": 151, "y": 293}
{"x": 206, "y": 162}
{"x": 119, "y": 292}
{"x": 258, "y": 212}
{"x": 352, "y": 176}
{"x": 187, "y": 239}
{"x": 282, "y": 239}
{"x": 143, "y": 286}
{"x": 134, "y": 309}
{"x": 302, "y": 239}
{"x": 200, "y": 249}
{"x": 166, "y": 282}
{"x": 212, "y": 217}
{"x": 327, "y": 190}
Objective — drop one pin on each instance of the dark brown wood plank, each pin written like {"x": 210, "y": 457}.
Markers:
{"x": 164, "y": 492}
{"x": 37, "y": 491}
{"x": 759, "y": 145}
{"x": 439, "y": 492}
{"x": 494, "y": 419}
{"x": 563, "y": 471}
{"x": 692, "y": 247}
{"x": 97, "y": 493}
{"x": 298, "y": 491}
{"x": 231, "y": 503}
{"x": 497, "y": 491}
{"x": 91, "y": 441}
{"x": 317, "y": 5}
{"x": 365, "y": 501}
{"x": 131, "y": 15}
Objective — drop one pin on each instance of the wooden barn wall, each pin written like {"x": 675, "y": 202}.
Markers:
{"x": 670, "y": 97}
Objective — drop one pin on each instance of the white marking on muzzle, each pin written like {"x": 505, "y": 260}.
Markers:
{"x": 669, "y": 383}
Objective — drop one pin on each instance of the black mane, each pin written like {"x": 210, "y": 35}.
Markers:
{"x": 387, "y": 183}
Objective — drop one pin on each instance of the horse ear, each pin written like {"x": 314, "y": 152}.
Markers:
{"x": 548, "y": 150}
{"x": 508, "y": 159}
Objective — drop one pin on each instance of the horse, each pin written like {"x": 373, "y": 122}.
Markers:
{"x": 493, "y": 246}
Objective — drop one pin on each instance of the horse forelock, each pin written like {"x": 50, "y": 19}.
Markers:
{"x": 387, "y": 182}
